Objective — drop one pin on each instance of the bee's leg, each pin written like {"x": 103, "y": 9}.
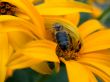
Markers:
{"x": 78, "y": 47}
{"x": 70, "y": 38}
{"x": 59, "y": 52}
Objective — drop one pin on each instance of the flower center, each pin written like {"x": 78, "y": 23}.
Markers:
{"x": 70, "y": 53}
{"x": 7, "y": 8}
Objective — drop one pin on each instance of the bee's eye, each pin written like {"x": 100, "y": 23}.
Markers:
{"x": 57, "y": 26}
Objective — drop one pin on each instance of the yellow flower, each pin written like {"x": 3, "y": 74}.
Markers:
{"x": 23, "y": 41}
{"x": 93, "y": 56}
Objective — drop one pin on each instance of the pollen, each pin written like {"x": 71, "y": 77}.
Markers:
{"x": 7, "y": 8}
{"x": 71, "y": 54}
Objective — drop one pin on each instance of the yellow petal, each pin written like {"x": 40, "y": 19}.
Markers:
{"x": 4, "y": 55}
{"x": 22, "y": 62}
{"x": 75, "y": 72}
{"x": 97, "y": 41}
{"x": 96, "y": 11}
{"x": 101, "y": 70}
{"x": 57, "y": 67}
{"x": 102, "y": 57}
{"x": 18, "y": 36}
{"x": 34, "y": 0}
{"x": 89, "y": 27}
{"x": 42, "y": 68}
{"x": 18, "y": 39}
{"x": 63, "y": 8}
{"x": 42, "y": 43}
{"x": 9, "y": 72}
{"x": 13, "y": 21}
{"x": 29, "y": 56}
{"x": 22, "y": 15}
{"x": 59, "y": 1}
{"x": 100, "y": 74}
{"x": 10, "y": 29}
{"x": 100, "y": 66}
{"x": 35, "y": 16}
{"x": 74, "y": 18}
{"x": 92, "y": 77}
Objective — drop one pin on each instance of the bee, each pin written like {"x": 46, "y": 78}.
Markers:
{"x": 66, "y": 36}
{"x": 66, "y": 47}
{"x": 62, "y": 38}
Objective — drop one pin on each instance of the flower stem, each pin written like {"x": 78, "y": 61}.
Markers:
{"x": 104, "y": 15}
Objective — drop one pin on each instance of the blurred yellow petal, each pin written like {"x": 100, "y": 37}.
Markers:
{"x": 89, "y": 27}
{"x": 22, "y": 15}
{"x": 8, "y": 20}
{"x": 103, "y": 70}
{"x": 45, "y": 43}
{"x": 11, "y": 29}
{"x": 96, "y": 11}
{"x": 9, "y": 72}
{"x": 57, "y": 67}
{"x": 74, "y": 18}
{"x": 59, "y": 1}
{"x": 19, "y": 31}
{"x": 17, "y": 34}
{"x": 75, "y": 72}
{"x": 63, "y": 8}
{"x": 92, "y": 77}
{"x": 34, "y": 0}
{"x": 35, "y": 16}
{"x": 18, "y": 39}
{"x": 42, "y": 68}
{"x": 35, "y": 51}
{"x": 22, "y": 61}
{"x": 97, "y": 41}
{"x": 101, "y": 1}
{"x": 29, "y": 56}
{"x": 4, "y": 55}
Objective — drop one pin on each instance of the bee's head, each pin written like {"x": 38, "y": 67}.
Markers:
{"x": 57, "y": 26}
